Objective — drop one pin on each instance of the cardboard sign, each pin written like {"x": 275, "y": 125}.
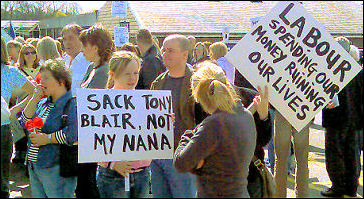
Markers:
{"x": 300, "y": 61}
{"x": 121, "y": 36}
{"x": 117, "y": 125}
{"x": 118, "y": 8}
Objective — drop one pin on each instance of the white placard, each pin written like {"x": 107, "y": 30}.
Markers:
{"x": 118, "y": 8}
{"x": 118, "y": 125}
{"x": 121, "y": 36}
{"x": 300, "y": 61}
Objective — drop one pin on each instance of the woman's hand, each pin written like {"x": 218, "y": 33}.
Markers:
{"x": 39, "y": 139}
{"x": 200, "y": 164}
{"x": 330, "y": 105}
{"x": 39, "y": 92}
{"x": 261, "y": 103}
{"x": 124, "y": 168}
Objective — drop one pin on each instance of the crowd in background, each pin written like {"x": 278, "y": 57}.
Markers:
{"x": 221, "y": 122}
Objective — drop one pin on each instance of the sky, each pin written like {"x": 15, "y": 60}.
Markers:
{"x": 90, "y": 5}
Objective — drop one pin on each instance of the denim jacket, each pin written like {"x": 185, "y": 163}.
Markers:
{"x": 48, "y": 155}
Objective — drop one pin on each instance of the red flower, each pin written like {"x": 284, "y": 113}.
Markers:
{"x": 37, "y": 122}
{"x": 29, "y": 124}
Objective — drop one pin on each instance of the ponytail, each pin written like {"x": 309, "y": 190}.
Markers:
{"x": 211, "y": 89}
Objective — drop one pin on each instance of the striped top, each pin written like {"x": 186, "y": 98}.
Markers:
{"x": 32, "y": 152}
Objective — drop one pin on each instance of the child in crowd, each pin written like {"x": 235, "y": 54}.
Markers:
{"x": 124, "y": 74}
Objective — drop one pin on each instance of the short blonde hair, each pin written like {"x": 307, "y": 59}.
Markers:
{"x": 217, "y": 50}
{"x": 13, "y": 44}
{"x": 211, "y": 89}
{"x": 47, "y": 49}
{"x": 118, "y": 62}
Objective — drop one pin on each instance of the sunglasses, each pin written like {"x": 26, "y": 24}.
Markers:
{"x": 33, "y": 53}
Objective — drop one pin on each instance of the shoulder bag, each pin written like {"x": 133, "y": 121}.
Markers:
{"x": 68, "y": 154}
{"x": 269, "y": 188}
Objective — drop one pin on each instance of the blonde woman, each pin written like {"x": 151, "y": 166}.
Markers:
{"x": 218, "y": 150}
{"x": 34, "y": 42}
{"x": 124, "y": 74}
{"x": 59, "y": 47}
{"x": 47, "y": 49}
{"x": 28, "y": 61}
{"x": 217, "y": 52}
{"x": 28, "y": 64}
{"x": 200, "y": 53}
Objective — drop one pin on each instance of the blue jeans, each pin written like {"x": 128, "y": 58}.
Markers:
{"x": 168, "y": 183}
{"x": 47, "y": 183}
{"x": 111, "y": 184}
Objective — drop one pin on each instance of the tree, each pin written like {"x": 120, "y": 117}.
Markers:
{"x": 36, "y": 10}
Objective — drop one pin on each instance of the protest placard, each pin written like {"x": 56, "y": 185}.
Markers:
{"x": 121, "y": 36}
{"x": 300, "y": 61}
{"x": 117, "y": 125}
{"x": 118, "y": 8}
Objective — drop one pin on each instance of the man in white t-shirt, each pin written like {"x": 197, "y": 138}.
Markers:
{"x": 74, "y": 57}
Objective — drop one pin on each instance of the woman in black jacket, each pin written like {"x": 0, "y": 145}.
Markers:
{"x": 264, "y": 134}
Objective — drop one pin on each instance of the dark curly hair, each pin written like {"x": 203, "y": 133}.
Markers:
{"x": 58, "y": 70}
{"x": 98, "y": 35}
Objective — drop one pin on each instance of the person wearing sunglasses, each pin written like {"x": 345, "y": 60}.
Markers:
{"x": 28, "y": 64}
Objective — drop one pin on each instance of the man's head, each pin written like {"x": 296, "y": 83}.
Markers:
{"x": 71, "y": 41}
{"x": 192, "y": 40}
{"x": 13, "y": 48}
{"x": 175, "y": 51}
{"x": 144, "y": 39}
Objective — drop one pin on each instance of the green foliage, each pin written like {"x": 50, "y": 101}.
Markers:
{"x": 36, "y": 10}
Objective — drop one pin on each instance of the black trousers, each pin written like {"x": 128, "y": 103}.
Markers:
{"x": 86, "y": 181}
{"x": 342, "y": 159}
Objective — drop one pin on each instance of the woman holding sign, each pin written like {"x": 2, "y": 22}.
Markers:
{"x": 114, "y": 178}
{"x": 220, "y": 149}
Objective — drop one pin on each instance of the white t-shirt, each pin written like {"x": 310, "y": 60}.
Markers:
{"x": 79, "y": 67}
{"x": 228, "y": 68}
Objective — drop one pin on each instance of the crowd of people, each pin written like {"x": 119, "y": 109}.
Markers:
{"x": 221, "y": 122}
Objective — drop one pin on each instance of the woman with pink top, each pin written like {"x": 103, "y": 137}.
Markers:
{"x": 112, "y": 176}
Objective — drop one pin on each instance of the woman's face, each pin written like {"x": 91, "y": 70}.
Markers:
{"x": 128, "y": 79}
{"x": 30, "y": 55}
{"x": 90, "y": 52}
{"x": 199, "y": 51}
{"x": 50, "y": 83}
{"x": 14, "y": 53}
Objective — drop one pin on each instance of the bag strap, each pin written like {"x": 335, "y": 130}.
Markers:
{"x": 257, "y": 162}
{"x": 65, "y": 112}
